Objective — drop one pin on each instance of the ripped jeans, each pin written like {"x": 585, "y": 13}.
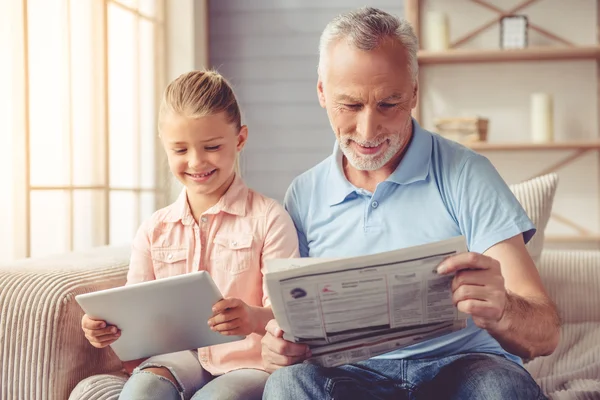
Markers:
{"x": 193, "y": 381}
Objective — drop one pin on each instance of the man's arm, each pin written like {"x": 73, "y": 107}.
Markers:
{"x": 503, "y": 292}
{"x": 530, "y": 325}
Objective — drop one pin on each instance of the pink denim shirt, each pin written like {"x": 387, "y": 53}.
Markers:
{"x": 231, "y": 241}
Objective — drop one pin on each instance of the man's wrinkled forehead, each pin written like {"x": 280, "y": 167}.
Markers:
{"x": 385, "y": 95}
{"x": 345, "y": 64}
{"x": 344, "y": 48}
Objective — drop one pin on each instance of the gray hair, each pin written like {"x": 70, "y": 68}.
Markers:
{"x": 365, "y": 28}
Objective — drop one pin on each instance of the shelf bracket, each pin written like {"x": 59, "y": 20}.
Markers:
{"x": 568, "y": 222}
{"x": 533, "y": 26}
{"x": 564, "y": 162}
{"x": 554, "y": 168}
{"x": 490, "y": 23}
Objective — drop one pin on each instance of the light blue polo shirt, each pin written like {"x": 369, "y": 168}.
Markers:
{"x": 440, "y": 190}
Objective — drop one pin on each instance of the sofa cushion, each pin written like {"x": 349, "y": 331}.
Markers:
{"x": 536, "y": 196}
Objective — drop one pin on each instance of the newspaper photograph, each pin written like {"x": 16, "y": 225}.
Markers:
{"x": 351, "y": 309}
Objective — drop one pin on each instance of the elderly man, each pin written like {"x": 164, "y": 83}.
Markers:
{"x": 390, "y": 184}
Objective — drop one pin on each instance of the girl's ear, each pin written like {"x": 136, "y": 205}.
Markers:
{"x": 242, "y": 137}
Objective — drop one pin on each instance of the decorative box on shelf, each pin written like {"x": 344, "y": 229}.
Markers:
{"x": 463, "y": 129}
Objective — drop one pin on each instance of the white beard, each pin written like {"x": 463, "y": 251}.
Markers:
{"x": 370, "y": 162}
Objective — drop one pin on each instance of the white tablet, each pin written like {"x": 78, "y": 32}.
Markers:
{"x": 158, "y": 317}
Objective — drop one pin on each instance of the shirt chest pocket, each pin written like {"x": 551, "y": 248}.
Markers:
{"x": 233, "y": 252}
{"x": 169, "y": 262}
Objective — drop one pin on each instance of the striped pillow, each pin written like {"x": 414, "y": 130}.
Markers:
{"x": 536, "y": 196}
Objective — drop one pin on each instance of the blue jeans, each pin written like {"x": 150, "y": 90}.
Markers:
{"x": 192, "y": 381}
{"x": 465, "y": 376}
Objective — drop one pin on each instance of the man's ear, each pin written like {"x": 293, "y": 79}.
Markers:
{"x": 415, "y": 96}
{"x": 242, "y": 137}
{"x": 320, "y": 93}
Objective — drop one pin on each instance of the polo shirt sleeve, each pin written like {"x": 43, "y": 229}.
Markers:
{"x": 292, "y": 206}
{"x": 486, "y": 209}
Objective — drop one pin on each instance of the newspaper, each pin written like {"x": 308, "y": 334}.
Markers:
{"x": 351, "y": 309}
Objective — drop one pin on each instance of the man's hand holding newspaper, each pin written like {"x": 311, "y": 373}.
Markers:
{"x": 339, "y": 311}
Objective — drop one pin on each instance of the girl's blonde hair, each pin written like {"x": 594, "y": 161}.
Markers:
{"x": 198, "y": 94}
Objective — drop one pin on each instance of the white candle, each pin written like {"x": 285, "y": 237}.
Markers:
{"x": 437, "y": 34}
{"x": 542, "y": 118}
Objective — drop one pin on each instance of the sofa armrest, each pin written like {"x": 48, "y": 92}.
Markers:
{"x": 43, "y": 351}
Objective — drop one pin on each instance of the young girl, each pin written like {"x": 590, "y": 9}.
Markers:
{"x": 219, "y": 225}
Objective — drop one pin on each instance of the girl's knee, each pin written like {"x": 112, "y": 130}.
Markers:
{"x": 151, "y": 383}
{"x": 161, "y": 371}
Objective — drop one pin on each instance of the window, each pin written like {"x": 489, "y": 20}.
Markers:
{"x": 80, "y": 163}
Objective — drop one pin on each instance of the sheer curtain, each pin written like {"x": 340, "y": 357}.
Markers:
{"x": 80, "y": 162}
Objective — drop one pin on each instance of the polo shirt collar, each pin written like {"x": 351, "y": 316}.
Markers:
{"x": 413, "y": 167}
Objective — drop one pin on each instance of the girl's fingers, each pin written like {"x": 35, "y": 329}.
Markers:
{"x": 227, "y": 326}
{"x": 225, "y": 304}
{"x": 103, "y": 341}
{"x": 111, "y": 330}
{"x": 223, "y": 317}
{"x": 92, "y": 324}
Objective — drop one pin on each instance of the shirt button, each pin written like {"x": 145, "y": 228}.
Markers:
{"x": 170, "y": 256}
{"x": 374, "y": 204}
{"x": 204, "y": 219}
{"x": 233, "y": 243}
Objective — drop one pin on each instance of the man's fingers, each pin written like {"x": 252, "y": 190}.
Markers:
{"x": 478, "y": 308}
{"x": 278, "y": 352}
{"x": 476, "y": 278}
{"x": 283, "y": 347}
{"x": 464, "y": 261}
{"x": 281, "y": 360}
{"x": 470, "y": 292}
{"x": 274, "y": 329}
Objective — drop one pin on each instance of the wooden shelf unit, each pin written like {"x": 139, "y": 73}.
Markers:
{"x": 466, "y": 56}
{"x": 572, "y": 238}
{"x": 574, "y": 145}
{"x": 564, "y": 51}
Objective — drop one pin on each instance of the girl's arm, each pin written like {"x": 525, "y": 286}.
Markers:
{"x": 261, "y": 317}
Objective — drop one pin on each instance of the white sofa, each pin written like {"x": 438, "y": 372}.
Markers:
{"x": 43, "y": 353}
